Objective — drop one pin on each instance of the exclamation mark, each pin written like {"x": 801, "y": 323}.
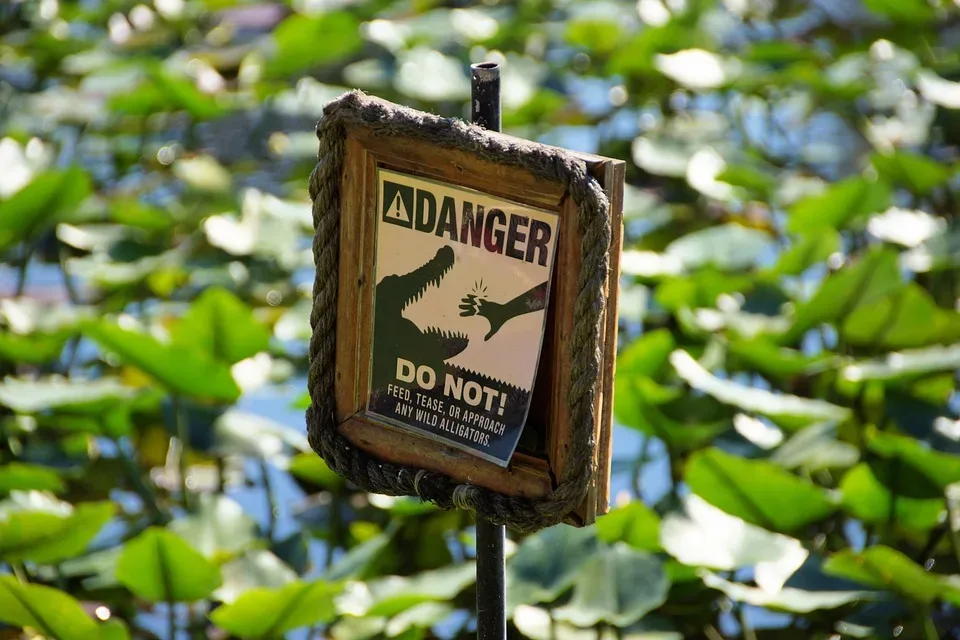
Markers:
{"x": 396, "y": 207}
{"x": 503, "y": 402}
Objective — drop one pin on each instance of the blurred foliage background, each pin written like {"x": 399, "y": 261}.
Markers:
{"x": 786, "y": 450}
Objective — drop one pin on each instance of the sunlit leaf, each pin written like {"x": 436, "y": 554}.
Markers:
{"x": 766, "y": 357}
{"x": 726, "y": 247}
{"x": 870, "y": 277}
{"x": 918, "y": 173}
{"x": 786, "y": 599}
{"x": 902, "y": 319}
{"x": 903, "y": 11}
{"x": 221, "y": 325}
{"x": 47, "y": 198}
{"x": 31, "y": 396}
{"x": 768, "y": 403}
{"x": 356, "y": 561}
{"x": 256, "y": 568}
{"x": 296, "y": 41}
{"x": 704, "y": 536}
{"x": 47, "y": 531}
{"x": 757, "y": 491}
{"x": 889, "y": 491}
{"x": 941, "y": 468}
{"x": 270, "y": 613}
{"x": 391, "y": 595}
{"x": 159, "y": 566}
{"x": 218, "y": 528}
{"x": 808, "y": 250}
{"x": 839, "y": 205}
{"x": 181, "y": 369}
{"x": 816, "y": 447}
{"x": 634, "y": 523}
{"x": 16, "y": 476}
{"x": 53, "y": 613}
{"x": 881, "y": 567}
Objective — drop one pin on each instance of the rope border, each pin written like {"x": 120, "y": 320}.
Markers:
{"x": 377, "y": 476}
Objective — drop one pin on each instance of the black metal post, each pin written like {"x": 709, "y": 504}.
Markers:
{"x": 491, "y": 577}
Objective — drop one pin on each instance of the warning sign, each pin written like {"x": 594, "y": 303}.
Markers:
{"x": 462, "y": 284}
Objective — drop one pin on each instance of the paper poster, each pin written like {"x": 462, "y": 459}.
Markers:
{"x": 462, "y": 284}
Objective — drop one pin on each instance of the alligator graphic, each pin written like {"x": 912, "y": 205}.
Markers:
{"x": 397, "y": 337}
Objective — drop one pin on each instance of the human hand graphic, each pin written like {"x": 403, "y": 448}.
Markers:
{"x": 495, "y": 313}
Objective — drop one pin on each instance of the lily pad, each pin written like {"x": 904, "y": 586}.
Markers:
{"x": 159, "y": 566}
{"x": 219, "y": 528}
{"x": 757, "y": 491}
{"x": 635, "y": 524}
{"x": 182, "y": 370}
{"x": 786, "y": 599}
{"x": 546, "y": 564}
{"x": 221, "y": 325}
{"x": 881, "y": 567}
{"x": 53, "y": 613}
{"x": 704, "y": 536}
{"x": 619, "y": 586}
{"x": 270, "y": 613}
{"x": 783, "y": 406}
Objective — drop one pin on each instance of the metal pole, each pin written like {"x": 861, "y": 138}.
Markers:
{"x": 491, "y": 580}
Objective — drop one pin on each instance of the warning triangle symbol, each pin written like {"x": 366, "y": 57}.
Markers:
{"x": 397, "y": 210}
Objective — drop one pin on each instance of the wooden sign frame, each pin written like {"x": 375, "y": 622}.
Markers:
{"x": 527, "y": 475}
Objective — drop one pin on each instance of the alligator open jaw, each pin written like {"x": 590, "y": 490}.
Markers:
{"x": 429, "y": 274}
{"x": 451, "y": 342}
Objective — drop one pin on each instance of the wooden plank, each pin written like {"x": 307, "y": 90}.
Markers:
{"x": 417, "y": 157}
{"x": 613, "y": 186}
{"x": 401, "y": 447}
{"x": 351, "y": 199}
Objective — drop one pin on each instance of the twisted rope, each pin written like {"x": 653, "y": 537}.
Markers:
{"x": 377, "y": 476}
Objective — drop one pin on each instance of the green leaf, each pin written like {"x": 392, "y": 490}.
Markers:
{"x": 255, "y": 568}
{"x": 180, "y": 369}
{"x": 810, "y": 249}
{"x": 907, "y": 12}
{"x": 222, "y": 326}
{"x": 840, "y": 204}
{"x": 700, "y": 289}
{"x": 597, "y": 35}
{"x": 37, "y": 348}
{"x": 905, "y": 364}
{"x": 814, "y": 448}
{"x": 16, "y": 476}
{"x": 868, "y": 494}
{"x": 184, "y": 94}
{"x": 941, "y": 468}
{"x": 919, "y": 174}
{"x": 356, "y": 561}
{"x": 270, "y": 613}
{"x": 757, "y": 491}
{"x": 391, "y": 595}
{"x": 704, "y": 536}
{"x": 114, "y": 629}
{"x": 25, "y": 395}
{"x": 159, "y": 566}
{"x": 47, "y": 199}
{"x": 870, "y": 277}
{"x": 133, "y": 213}
{"x": 762, "y": 355}
{"x": 634, "y": 523}
{"x": 786, "y": 599}
{"x": 647, "y": 355}
{"x": 422, "y": 616}
{"x": 52, "y": 613}
{"x": 311, "y": 468}
{"x": 296, "y": 41}
{"x": 881, "y": 567}
{"x": 619, "y": 586}
{"x": 727, "y": 247}
{"x": 756, "y": 183}
{"x": 219, "y": 528}
{"x": 783, "y": 407}
{"x": 44, "y": 531}
{"x": 546, "y": 564}
{"x": 684, "y": 423}
{"x": 902, "y": 319}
